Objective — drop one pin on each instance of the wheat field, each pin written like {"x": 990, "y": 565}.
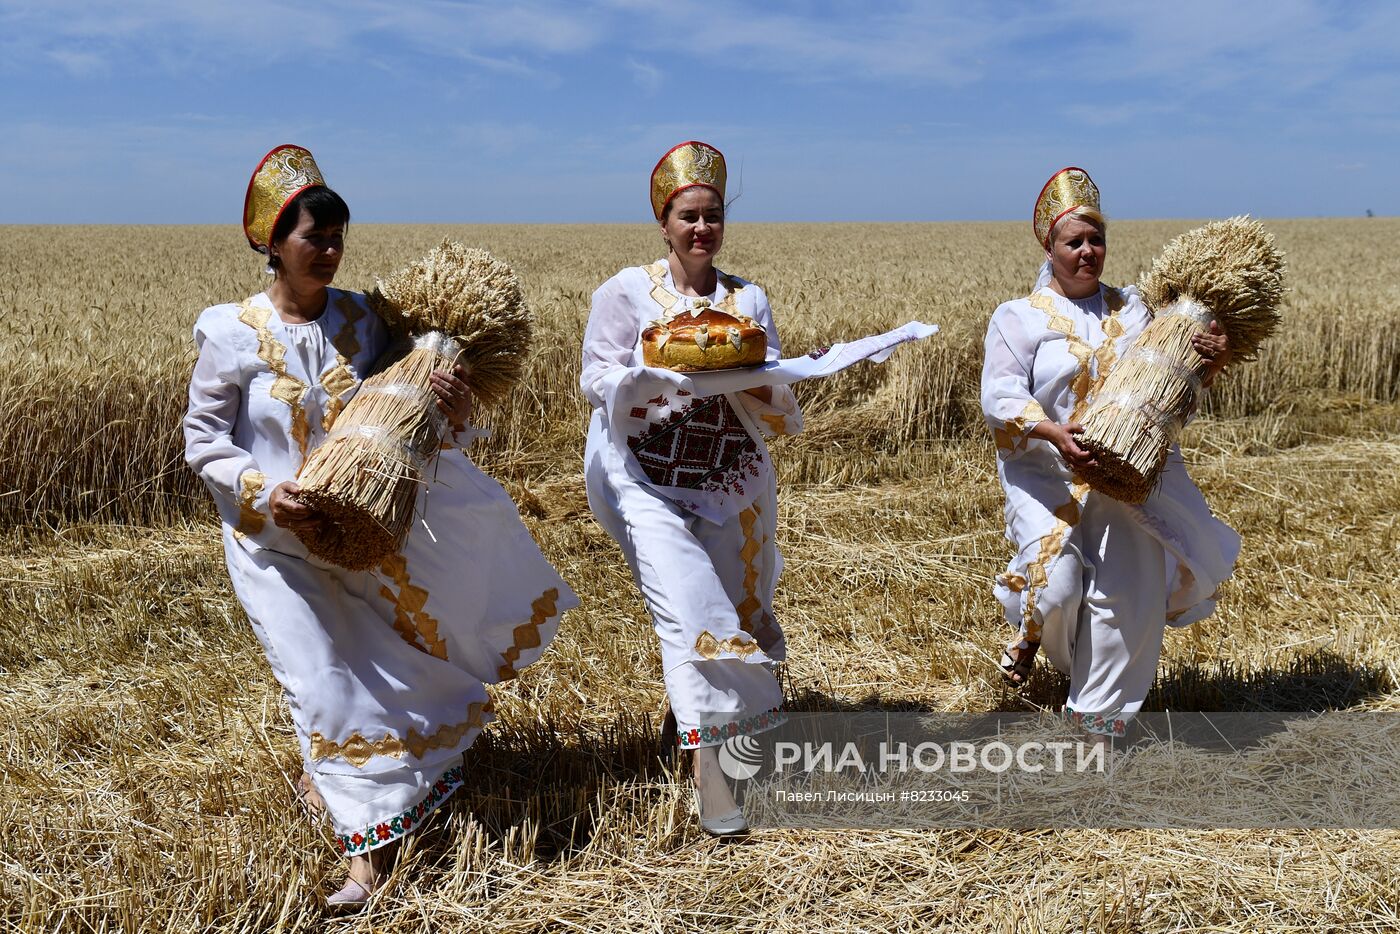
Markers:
{"x": 148, "y": 761}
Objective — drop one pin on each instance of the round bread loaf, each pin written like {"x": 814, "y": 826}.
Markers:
{"x": 703, "y": 339}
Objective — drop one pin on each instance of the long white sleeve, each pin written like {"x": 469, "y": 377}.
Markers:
{"x": 230, "y": 472}
{"x": 610, "y": 338}
{"x": 1008, "y": 406}
{"x": 781, "y": 415}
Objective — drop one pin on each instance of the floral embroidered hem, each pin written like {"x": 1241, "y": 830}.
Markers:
{"x": 377, "y": 835}
{"x": 1097, "y": 723}
{"x": 712, "y": 734}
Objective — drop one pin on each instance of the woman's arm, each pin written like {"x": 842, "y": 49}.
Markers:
{"x": 610, "y": 338}
{"x": 773, "y": 407}
{"x": 230, "y": 472}
{"x": 1011, "y": 411}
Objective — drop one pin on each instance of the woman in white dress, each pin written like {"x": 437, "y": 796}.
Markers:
{"x": 691, "y": 496}
{"x": 1094, "y": 581}
{"x": 384, "y": 671}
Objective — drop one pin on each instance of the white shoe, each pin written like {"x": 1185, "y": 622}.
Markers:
{"x": 351, "y": 897}
{"x": 723, "y": 825}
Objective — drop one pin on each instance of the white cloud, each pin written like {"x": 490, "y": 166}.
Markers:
{"x": 647, "y": 77}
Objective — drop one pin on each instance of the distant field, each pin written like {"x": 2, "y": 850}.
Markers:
{"x": 147, "y": 758}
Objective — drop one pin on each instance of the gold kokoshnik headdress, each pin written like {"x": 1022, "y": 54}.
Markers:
{"x": 282, "y": 174}
{"x": 1067, "y": 189}
{"x": 685, "y": 166}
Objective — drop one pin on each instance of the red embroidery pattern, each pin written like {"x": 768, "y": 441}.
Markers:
{"x": 703, "y": 446}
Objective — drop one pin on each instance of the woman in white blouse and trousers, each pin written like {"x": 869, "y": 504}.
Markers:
{"x": 1094, "y": 582}
{"x": 691, "y": 497}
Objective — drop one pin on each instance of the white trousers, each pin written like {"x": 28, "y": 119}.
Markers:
{"x": 1103, "y": 613}
{"x": 695, "y": 576}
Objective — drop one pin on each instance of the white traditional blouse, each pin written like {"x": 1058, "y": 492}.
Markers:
{"x": 705, "y": 453}
{"x": 295, "y": 377}
{"x": 1045, "y": 357}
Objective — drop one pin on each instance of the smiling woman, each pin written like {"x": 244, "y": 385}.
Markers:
{"x": 692, "y": 497}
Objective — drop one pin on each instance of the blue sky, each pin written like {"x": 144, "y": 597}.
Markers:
{"x": 156, "y": 111}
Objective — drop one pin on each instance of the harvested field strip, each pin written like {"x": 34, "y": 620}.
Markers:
{"x": 150, "y": 752}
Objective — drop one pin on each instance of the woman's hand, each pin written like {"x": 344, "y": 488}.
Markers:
{"x": 1063, "y": 438}
{"x": 287, "y": 513}
{"x": 763, "y": 394}
{"x": 1214, "y": 347}
{"x": 454, "y": 398}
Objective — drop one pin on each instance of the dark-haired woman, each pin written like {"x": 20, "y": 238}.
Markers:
{"x": 384, "y": 671}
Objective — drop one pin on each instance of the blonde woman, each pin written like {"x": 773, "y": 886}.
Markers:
{"x": 1094, "y": 582}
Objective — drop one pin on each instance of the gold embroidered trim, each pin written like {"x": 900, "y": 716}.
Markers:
{"x": 1087, "y": 380}
{"x": 410, "y": 619}
{"x": 1012, "y": 435}
{"x": 357, "y": 750}
{"x": 668, "y": 299}
{"x": 776, "y": 423}
{"x": 1066, "y": 518}
{"x": 340, "y": 377}
{"x": 250, "y": 521}
{"x": 527, "y": 634}
{"x": 747, "y": 607}
{"x": 1013, "y": 582}
{"x": 710, "y": 647}
{"x": 285, "y": 388}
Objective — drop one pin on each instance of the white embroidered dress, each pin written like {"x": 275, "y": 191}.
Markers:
{"x": 1095, "y": 581}
{"x": 684, "y": 484}
{"x": 384, "y": 671}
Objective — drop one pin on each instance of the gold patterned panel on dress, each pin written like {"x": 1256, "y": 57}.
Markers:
{"x": 710, "y": 647}
{"x": 749, "y": 606}
{"x": 659, "y": 293}
{"x": 340, "y": 378}
{"x": 357, "y": 750}
{"x": 285, "y": 387}
{"x": 1067, "y": 189}
{"x": 691, "y": 163}
{"x": 1051, "y": 545}
{"x": 1013, "y": 434}
{"x": 250, "y": 521}
{"x": 527, "y": 634}
{"x": 282, "y": 175}
{"x": 411, "y": 620}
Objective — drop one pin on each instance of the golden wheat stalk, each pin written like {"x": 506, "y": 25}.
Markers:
{"x": 363, "y": 479}
{"x": 460, "y": 306}
{"x": 1229, "y": 272}
{"x": 472, "y": 297}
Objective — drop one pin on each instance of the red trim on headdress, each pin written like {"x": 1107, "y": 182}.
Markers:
{"x": 652, "y": 177}
{"x": 1056, "y": 219}
{"x": 248, "y": 195}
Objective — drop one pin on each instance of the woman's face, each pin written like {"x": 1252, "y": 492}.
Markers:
{"x": 310, "y": 255}
{"x": 1077, "y": 250}
{"x": 695, "y": 225}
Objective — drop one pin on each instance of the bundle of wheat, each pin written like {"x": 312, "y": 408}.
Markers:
{"x": 453, "y": 306}
{"x": 1229, "y": 272}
